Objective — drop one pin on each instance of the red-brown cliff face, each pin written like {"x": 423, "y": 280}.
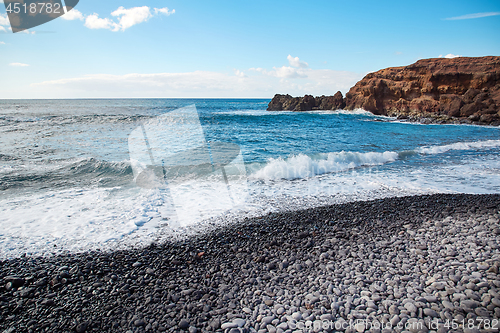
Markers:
{"x": 446, "y": 89}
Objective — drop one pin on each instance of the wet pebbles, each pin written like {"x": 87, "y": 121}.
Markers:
{"x": 428, "y": 260}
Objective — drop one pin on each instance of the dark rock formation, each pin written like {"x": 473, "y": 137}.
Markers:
{"x": 435, "y": 90}
{"x": 440, "y": 89}
{"x": 306, "y": 103}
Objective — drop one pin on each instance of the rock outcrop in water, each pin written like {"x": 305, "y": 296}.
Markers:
{"x": 438, "y": 90}
{"x": 306, "y": 103}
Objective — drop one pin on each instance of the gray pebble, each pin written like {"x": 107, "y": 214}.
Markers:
{"x": 482, "y": 312}
{"x": 228, "y": 325}
{"x": 430, "y": 312}
{"x": 183, "y": 324}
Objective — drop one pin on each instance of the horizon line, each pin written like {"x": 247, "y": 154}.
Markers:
{"x": 75, "y": 98}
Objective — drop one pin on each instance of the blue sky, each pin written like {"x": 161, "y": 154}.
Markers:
{"x": 234, "y": 48}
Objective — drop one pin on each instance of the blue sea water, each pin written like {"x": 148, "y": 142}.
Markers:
{"x": 66, "y": 181}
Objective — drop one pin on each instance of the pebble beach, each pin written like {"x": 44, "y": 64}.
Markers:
{"x": 410, "y": 264}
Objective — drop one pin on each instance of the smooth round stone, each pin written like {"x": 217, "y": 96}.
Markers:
{"x": 470, "y": 304}
{"x": 269, "y": 302}
{"x": 297, "y": 315}
{"x": 438, "y": 285}
{"x": 326, "y": 316}
{"x": 239, "y": 322}
{"x": 280, "y": 311}
{"x": 430, "y": 298}
{"x": 283, "y": 326}
{"x": 183, "y": 324}
{"x": 482, "y": 312}
{"x": 360, "y": 327}
{"x": 393, "y": 310}
{"x": 268, "y": 319}
{"x": 483, "y": 284}
{"x": 247, "y": 310}
{"x": 430, "y": 313}
{"x": 458, "y": 296}
{"x": 477, "y": 275}
{"x": 141, "y": 322}
{"x": 448, "y": 305}
{"x": 471, "y": 286}
{"x": 410, "y": 307}
{"x": 271, "y": 329}
{"x": 394, "y": 320}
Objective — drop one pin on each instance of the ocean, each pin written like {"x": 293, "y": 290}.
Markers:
{"x": 70, "y": 170}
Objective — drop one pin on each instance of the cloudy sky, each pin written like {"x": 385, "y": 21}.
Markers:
{"x": 185, "y": 48}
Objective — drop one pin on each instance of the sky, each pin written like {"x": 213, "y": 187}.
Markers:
{"x": 234, "y": 48}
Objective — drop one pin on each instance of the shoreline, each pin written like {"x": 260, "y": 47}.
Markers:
{"x": 394, "y": 260}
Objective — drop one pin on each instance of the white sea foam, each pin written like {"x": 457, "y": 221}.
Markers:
{"x": 347, "y": 112}
{"x": 303, "y": 166}
{"x": 79, "y": 219}
{"x": 459, "y": 146}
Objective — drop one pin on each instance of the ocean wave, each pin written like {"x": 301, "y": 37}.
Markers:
{"x": 95, "y": 166}
{"x": 360, "y": 112}
{"x": 4, "y": 157}
{"x": 304, "y": 166}
{"x": 65, "y": 173}
{"x": 77, "y": 119}
{"x": 430, "y": 150}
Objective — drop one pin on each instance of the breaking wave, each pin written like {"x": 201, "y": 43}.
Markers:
{"x": 459, "y": 146}
{"x": 304, "y": 166}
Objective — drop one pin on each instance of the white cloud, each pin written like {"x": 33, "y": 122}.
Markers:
{"x": 190, "y": 84}
{"x": 18, "y": 64}
{"x": 132, "y": 16}
{"x": 126, "y": 18}
{"x": 449, "y": 56}
{"x": 4, "y": 20}
{"x": 164, "y": 11}
{"x": 239, "y": 73}
{"x": 257, "y": 82}
{"x": 2, "y": 43}
{"x": 73, "y": 14}
{"x": 94, "y": 22}
{"x": 287, "y": 72}
{"x": 295, "y": 62}
{"x": 296, "y": 70}
{"x": 472, "y": 16}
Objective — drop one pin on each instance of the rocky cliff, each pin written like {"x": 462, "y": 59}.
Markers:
{"x": 444, "y": 90}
